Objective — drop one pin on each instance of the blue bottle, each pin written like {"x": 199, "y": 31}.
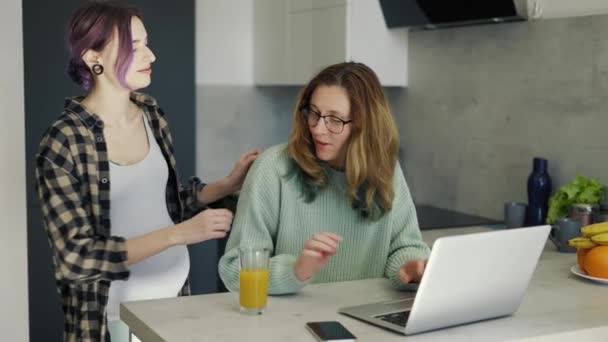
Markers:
{"x": 539, "y": 190}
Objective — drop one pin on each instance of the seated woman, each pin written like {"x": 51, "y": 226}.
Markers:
{"x": 332, "y": 205}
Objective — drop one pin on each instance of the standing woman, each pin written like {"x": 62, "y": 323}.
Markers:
{"x": 117, "y": 219}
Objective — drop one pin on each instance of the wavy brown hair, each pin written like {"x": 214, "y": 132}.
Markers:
{"x": 371, "y": 151}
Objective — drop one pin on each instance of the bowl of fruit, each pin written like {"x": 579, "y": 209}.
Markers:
{"x": 592, "y": 252}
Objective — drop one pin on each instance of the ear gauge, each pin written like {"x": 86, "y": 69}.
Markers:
{"x": 97, "y": 69}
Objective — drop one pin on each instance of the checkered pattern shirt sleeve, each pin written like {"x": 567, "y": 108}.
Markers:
{"x": 81, "y": 253}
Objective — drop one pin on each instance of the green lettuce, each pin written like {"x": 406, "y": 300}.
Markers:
{"x": 580, "y": 190}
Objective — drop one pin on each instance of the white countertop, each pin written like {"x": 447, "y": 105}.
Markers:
{"x": 599, "y": 334}
{"x": 558, "y": 306}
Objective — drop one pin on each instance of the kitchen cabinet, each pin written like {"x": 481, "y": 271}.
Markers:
{"x": 294, "y": 39}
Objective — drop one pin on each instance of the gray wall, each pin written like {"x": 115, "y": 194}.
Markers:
{"x": 13, "y": 244}
{"x": 171, "y": 30}
{"x": 233, "y": 119}
{"x": 484, "y": 100}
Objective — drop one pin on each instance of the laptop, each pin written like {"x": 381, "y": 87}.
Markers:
{"x": 468, "y": 278}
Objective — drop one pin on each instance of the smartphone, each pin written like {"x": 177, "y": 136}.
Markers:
{"x": 330, "y": 331}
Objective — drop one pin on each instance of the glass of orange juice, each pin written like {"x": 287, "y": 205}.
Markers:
{"x": 253, "y": 279}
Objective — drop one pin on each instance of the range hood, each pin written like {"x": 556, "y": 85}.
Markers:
{"x": 430, "y": 14}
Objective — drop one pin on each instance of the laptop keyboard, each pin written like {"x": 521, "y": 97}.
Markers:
{"x": 398, "y": 318}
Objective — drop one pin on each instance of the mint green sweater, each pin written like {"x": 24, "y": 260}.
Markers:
{"x": 272, "y": 213}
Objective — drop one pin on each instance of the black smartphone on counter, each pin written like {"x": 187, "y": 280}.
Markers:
{"x": 330, "y": 331}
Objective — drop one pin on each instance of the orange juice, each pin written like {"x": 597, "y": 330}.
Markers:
{"x": 253, "y": 287}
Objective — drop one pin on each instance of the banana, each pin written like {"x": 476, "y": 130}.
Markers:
{"x": 600, "y": 239}
{"x": 594, "y": 229}
{"x": 581, "y": 242}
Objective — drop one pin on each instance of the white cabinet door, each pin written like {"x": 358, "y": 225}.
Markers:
{"x": 316, "y": 38}
{"x": 299, "y": 47}
{"x": 369, "y": 41}
{"x": 329, "y": 37}
{"x": 270, "y": 42}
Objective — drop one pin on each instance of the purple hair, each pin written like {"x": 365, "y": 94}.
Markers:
{"x": 91, "y": 27}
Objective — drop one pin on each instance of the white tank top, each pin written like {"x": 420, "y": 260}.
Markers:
{"x": 138, "y": 206}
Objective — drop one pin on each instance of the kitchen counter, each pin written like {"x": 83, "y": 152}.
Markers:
{"x": 430, "y": 217}
{"x": 558, "y": 306}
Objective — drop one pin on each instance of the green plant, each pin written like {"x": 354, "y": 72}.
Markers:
{"x": 580, "y": 190}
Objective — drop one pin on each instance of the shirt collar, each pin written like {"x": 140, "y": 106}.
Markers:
{"x": 74, "y": 105}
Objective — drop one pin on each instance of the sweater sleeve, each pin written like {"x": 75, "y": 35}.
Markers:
{"x": 406, "y": 240}
{"x": 256, "y": 224}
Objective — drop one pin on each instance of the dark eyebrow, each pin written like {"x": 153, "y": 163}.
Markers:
{"x": 314, "y": 109}
{"x": 336, "y": 113}
{"x": 331, "y": 112}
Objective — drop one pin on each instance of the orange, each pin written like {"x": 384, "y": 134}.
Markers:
{"x": 596, "y": 262}
{"x": 581, "y": 253}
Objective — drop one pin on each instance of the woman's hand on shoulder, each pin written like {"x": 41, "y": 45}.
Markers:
{"x": 237, "y": 176}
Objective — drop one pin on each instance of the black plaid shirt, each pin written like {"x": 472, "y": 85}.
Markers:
{"x": 73, "y": 183}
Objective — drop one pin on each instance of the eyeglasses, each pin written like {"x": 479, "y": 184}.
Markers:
{"x": 333, "y": 123}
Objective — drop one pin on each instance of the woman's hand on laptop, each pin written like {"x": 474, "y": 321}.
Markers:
{"x": 412, "y": 271}
{"x": 315, "y": 254}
